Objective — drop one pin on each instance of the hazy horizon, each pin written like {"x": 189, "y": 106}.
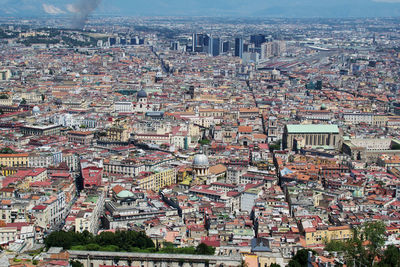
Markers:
{"x": 234, "y": 8}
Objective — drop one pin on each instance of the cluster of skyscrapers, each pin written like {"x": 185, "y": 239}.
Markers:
{"x": 258, "y": 47}
{"x": 206, "y": 43}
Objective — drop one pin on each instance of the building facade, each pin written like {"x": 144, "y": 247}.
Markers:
{"x": 314, "y": 135}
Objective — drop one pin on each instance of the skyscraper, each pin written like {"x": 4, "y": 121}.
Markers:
{"x": 134, "y": 41}
{"x": 174, "y": 45}
{"x": 112, "y": 41}
{"x": 215, "y": 47}
{"x": 199, "y": 41}
{"x": 239, "y": 47}
{"x": 194, "y": 41}
{"x": 225, "y": 46}
{"x": 257, "y": 40}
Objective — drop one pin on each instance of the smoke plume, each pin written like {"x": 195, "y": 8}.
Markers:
{"x": 82, "y": 9}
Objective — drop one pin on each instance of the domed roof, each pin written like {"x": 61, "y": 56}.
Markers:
{"x": 142, "y": 94}
{"x": 36, "y": 109}
{"x": 275, "y": 72}
{"x": 125, "y": 194}
{"x": 357, "y": 193}
{"x": 200, "y": 160}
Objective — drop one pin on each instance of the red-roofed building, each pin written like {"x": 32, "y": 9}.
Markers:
{"x": 92, "y": 176}
{"x": 213, "y": 241}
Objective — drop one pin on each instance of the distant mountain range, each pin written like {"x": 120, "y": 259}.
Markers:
{"x": 259, "y": 8}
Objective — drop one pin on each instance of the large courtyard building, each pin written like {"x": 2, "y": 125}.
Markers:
{"x": 312, "y": 135}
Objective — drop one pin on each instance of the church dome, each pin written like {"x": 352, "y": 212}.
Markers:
{"x": 36, "y": 110}
{"x": 125, "y": 194}
{"x": 142, "y": 94}
{"x": 200, "y": 160}
{"x": 357, "y": 193}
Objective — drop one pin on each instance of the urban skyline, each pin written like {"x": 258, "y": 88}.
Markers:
{"x": 232, "y": 135}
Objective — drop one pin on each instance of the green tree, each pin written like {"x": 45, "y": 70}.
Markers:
{"x": 395, "y": 146}
{"x": 335, "y": 245}
{"x": 275, "y": 146}
{"x": 301, "y": 258}
{"x": 374, "y": 233}
{"x": 391, "y": 257}
{"x": 105, "y": 238}
{"x": 60, "y": 239}
{"x": 203, "y": 249}
{"x": 293, "y": 263}
{"x": 7, "y": 150}
{"x": 75, "y": 263}
{"x": 23, "y": 101}
{"x": 204, "y": 142}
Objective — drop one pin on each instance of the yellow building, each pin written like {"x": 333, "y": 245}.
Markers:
{"x": 267, "y": 261}
{"x": 183, "y": 173}
{"x": 31, "y": 176}
{"x": 157, "y": 180}
{"x": 14, "y": 160}
{"x": 379, "y": 120}
{"x": 6, "y": 102}
{"x": 210, "y": 112}
{"x": 194, "y": 130}
{"x": 320, "y": 235}
{"x": 7, "y": 171}
{"x": 120, "y": 131}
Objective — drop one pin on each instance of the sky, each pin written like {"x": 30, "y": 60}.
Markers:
{"x": 242, "y": 8}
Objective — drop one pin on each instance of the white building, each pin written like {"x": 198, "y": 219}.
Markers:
{"x": 142, "y": 105}
{"x": 123, "y": 107}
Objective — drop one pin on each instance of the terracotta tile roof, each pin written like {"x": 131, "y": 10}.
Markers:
{"x": 220, "y": 168}
{"x": 116, "y": 189}
{"x": 245, "y": 129}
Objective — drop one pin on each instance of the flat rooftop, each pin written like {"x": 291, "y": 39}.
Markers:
{"x": 312, "y": 128}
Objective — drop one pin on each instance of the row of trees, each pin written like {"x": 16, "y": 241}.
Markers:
{"x": 118, "y": 241}
{"x": 121, "y": 241}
